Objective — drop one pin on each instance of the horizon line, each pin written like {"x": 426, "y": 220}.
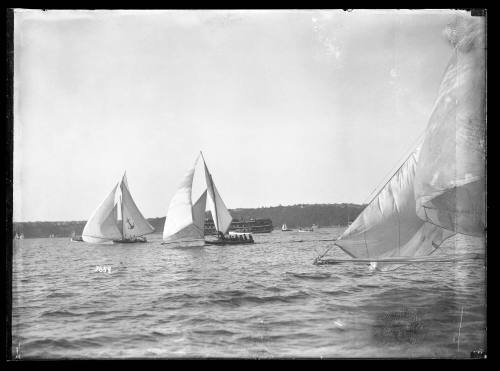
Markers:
{"x": 163, "y": 216}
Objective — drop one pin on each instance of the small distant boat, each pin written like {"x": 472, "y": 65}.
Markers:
{"x": 76, "y": 238}
{"x": 21, "y": 237}
{"x": 104, "y": 225}
{"x": 284, "y": 228}
{"x": 306, "y": 229}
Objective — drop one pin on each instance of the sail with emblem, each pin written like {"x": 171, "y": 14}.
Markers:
{"x": 450, "y": 175}
{"x": 185, "y": 221}
{"x": 104, "y": 225}
{"x": 101, "y": 226}
{"x": 134, "y": 223}
{"x": 220, "y": 214}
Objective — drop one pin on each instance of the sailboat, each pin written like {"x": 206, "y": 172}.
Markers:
{"x": 185, "y": 220}
{"x": 439, "y": 190}
{"x": 284, "y": 228}
{"x": 104, "y": 225}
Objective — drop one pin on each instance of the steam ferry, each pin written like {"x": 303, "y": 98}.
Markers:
{"x": 242, "y": 226}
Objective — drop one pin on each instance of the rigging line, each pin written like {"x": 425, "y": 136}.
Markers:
{"x": 394, "y": 172}
{"x": 328, "y": 249}
{"x": 344, "y": 250}
{"x": 318, "y": 258}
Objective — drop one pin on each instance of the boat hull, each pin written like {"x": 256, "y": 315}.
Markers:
{"x": 228, "y": 242}
{"x": 184, "y": 243}
{"x": 130, "y": 241}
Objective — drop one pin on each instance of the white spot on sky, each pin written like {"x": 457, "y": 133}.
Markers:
{"x": 434, "y": 178}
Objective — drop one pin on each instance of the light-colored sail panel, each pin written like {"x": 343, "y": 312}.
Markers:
{"x": 450, "y": 177}
{"x": 179, "y": 214}
{"x": 389, "y": 221}
{"x": 188, "y": 233}
{"x": 199, "y": 212}
{"x": 210, "y": 191}
{"x": 424, "y": 242}
{"x": 224, "y": 218}
{"x": 101, "y": 226}
{"x": 220, "y": 214}
{"x": 194, "y": 231}
{"x": 134, "y": 223}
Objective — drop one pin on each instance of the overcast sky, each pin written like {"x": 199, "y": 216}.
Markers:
{"x": 288, "y": 107}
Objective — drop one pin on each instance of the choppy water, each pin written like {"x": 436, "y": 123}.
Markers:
{"x": 261, "y": 300}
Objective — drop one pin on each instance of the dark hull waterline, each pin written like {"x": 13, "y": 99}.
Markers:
{"x": 228, "y": 242}
{"x": 130, "y": 241}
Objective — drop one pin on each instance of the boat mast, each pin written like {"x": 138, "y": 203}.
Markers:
{"x": 121, "y": 206}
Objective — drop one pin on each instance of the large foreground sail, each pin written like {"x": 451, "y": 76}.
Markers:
{"x": 184, "y": 220}
{"x": 134, "y": 223}
{"x": 439, "y": 190}
{"x": 101, "y": 227}
{"x": 389, "y": 225}
{"x": 450, "y": 175}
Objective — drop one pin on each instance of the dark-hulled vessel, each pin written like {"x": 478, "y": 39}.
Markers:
{"x": 240, "y": 225}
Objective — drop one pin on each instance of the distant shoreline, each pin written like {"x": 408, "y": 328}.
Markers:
{"x": 235, "y": 210}
{"x": 300, "y": 215}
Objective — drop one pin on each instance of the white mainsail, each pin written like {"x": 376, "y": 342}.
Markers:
{"x": 134, "y": 223}
{"x": 101, "y": 227}
{"x": 220, "y": 214}
{"x": 450, "y": 176}
{"x": 389, "y": 225}
{"x": 439, "y": 189}
{"x": 185, "y": 221}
